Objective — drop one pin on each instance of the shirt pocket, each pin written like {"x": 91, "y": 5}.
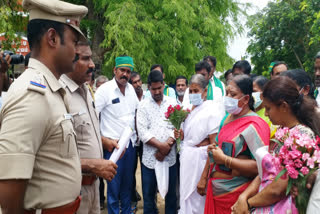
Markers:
{"x": 119, "y": 109}
{"x": 68, "y": 145}
{"x": 82, "y": 126}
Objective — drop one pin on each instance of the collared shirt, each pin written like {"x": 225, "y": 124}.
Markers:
{"x": 318, "y": 97}
{"x": 117, "y": 110}
{"x": 167, "y": 91}
{"x": 37, "y": 139}
{"x": 86, "y": 121}
{"x": 151, "y": 122}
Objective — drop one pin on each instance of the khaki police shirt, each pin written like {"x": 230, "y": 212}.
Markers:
{"x": 37, "y": 140}
{"x": 86, "y": 121}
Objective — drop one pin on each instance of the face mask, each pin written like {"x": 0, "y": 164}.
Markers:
{"x": 231, "y": 105}
{"x": 257, "y": 100}
{"x": 195, "y": 99}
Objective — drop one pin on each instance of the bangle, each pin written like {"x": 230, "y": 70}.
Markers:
{"x": 225, "y": 160}
{"x": 230, "y": 162}
{"x": 251, "y": 209}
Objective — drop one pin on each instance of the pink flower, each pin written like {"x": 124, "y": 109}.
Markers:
{"x": 316, "y": 156}
{"x": 167, "y": 115}
{"x": 298, "y": 163}
{"x": 281, "y": 133}
{"x": 304, "y": 170}
{"x": 292, "y": 172}
{"x": 305, "y": 156}
{"x": 310, "y": 163}
{"x": 288, "y": 142}
{"x": 294, "y": 154}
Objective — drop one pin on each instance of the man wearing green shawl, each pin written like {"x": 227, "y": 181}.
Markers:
{"x": 214, "y": 93}
{"x": 214, "y": 81}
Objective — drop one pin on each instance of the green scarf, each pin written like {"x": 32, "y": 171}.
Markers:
{"x": 316, "y": 93}
{"x": 166, "y": 90}
{"x": 210, "y": 92}
{"x": 218, "y": 84}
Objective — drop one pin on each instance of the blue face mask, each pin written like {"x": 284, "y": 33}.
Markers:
{"x": 195, "y": 99}
{"x": 257, "y": 99}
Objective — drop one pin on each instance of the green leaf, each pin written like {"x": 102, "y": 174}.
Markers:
{"x": 281, "y": 173}
{"x": 290, "y": 181}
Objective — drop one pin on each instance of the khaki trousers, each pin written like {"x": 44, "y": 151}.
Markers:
{"x": 90, "y": 199}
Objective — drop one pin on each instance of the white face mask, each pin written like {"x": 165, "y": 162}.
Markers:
{"x": 257, "y": 99}
{"x": 231, "y": 105}
{"x": 195, "y": 99}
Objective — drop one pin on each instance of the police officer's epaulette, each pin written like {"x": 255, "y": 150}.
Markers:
{"x": 34, "y": 86}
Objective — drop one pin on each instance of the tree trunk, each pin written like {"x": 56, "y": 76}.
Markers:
{"x": 97, "y": 36}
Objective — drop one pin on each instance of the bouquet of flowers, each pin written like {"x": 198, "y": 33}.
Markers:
{"x": 176, "y": 115}
{"x": 299, "y": 156}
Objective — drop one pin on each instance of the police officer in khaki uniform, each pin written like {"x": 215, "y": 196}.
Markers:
{"x": 39, "y": 162}
{"x": 86, "y": 124}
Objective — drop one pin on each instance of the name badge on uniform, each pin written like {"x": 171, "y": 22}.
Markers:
{"x": 115, "y": 101}
{"x": 82, "y": 112}
{"x": 68, "y": 116}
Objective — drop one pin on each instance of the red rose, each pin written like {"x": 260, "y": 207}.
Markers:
{"x": 178, "y": 107}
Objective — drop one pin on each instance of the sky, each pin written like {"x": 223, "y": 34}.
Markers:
{"x": 238, "y": 47}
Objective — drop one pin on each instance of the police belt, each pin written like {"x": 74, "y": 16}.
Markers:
{"x": 70, "y": 208}
{"x": 88, "y": 180}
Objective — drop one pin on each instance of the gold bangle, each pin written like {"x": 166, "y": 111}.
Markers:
{"x": 230, "y": 162}
{"x": 225, "y": 161}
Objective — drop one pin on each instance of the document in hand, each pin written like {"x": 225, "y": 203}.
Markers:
{"x": 123, "y": 143}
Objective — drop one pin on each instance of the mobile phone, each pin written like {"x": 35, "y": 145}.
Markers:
{"x": 227, "y": 149}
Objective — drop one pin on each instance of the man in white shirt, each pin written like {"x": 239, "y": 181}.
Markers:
{"x": 167, "y": 90}
{"x": 116, "y": 101}
{"x": 156, "y": 134}
{"x": 317, "y": 77}
{"x": 215, "y": 82}
{"x": 214, "y": 93}
{"x": 181, "y": 87}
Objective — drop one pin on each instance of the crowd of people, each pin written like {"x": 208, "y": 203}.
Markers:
{"x": 60, "y": 126}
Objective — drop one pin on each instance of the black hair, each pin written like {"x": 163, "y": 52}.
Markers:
{"x": 38, "y": 27}
{"x": 212, "y": 59}
{"x": 301, "y": 78}
{"x": 155, "y": 76}
{"x": 261, "y": 81}
{"x": 243, "y": 65}
{"x": 26, "y": 59}
{"x": 244, "y": 83}
{"x": 203, "y": 65}
{"x": 155, "y": 66}
{"x": 277, "y": 63}
{"x": 133, "y": 75}
{"x": 181, "y": 77}
{"x": 284, "y": 88}
{"x": 229, "y": 71}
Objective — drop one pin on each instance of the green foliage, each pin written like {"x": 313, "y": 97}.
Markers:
{"x": 285, "y": 30}
{"x": 12, "y": 23}
{"x": 175, "y": 33}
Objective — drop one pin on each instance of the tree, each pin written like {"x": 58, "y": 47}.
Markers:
{"x": 287, "y": 31}
{"x": 175, "y": 33}
{"x": 12, "y": 23}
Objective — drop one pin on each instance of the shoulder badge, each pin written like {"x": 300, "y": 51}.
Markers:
{"x": 37, "y": 84}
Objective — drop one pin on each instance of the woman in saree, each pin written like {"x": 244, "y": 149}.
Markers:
{"x": 286, "y": 106}
{"x": 199, "y": 130}
{"x": 231, "y": 164}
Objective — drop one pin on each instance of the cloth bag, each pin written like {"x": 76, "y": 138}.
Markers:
{"x": 162, "y": 175}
